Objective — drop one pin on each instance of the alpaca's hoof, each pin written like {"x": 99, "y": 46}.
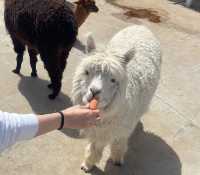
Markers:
{"x": 16, "y": 71}
{"x": 118, "y": 163}
{"x": 34, "y": 74}
{"x": 52, "y": 96}
{"x": 50, "y": 86}
{"x": 86, "y": 168}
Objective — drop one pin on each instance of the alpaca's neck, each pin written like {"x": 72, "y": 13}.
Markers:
{"x": 81, "y": 14}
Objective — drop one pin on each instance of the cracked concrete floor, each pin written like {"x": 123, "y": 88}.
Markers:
{"x": 168, "y": 144}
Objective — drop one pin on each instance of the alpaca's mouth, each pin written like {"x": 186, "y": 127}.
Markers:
{"x": 105, "y": 105}
{"x": 102, "y": 104}
{"x": 108, "y": 104}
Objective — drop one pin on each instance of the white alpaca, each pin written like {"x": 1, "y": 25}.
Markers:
{"x": 188, "y": 3}
{"x": 123, "y": 78}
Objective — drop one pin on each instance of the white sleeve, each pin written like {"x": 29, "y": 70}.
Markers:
{"x": 16, "y": 127}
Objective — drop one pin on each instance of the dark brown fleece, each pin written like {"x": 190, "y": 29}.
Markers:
{"x": 47, "y": 27}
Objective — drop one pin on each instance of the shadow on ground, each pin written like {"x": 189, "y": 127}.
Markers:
{"x": 148, "y": 154}
{"x": 36, "y": 92}
{"x": 195, "y": 4}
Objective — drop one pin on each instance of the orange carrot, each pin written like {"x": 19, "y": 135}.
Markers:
{"x": 93, "y": 104}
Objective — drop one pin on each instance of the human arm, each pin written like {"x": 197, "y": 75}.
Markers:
{"x": 18, "y": 127}
{"x": 75, "y": 117}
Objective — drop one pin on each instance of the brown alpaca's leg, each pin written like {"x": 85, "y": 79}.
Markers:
{"x": 62, "y": 64}
{"x": 33, "y": 61}
{"x": 19, "y": 48}
{"x": 52, "y": 62}
{"x": 55, "y": 76}
{"x": 63, "y": 58}
{"x": 61, "y": 67}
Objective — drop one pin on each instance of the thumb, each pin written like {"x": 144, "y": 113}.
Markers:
{"x": 87, "y": 105}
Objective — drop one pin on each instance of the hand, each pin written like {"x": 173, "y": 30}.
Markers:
{"x": 79, "y": 117}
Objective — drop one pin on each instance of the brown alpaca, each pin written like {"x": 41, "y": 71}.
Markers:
{"x": 83, "y": 9}
{"x": 48, "y": 28}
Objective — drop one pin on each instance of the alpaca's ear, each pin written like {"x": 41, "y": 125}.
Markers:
{"x": 127, "y": 57}
{"x": 79, "y": 2}
{"x": 90, "y": 44}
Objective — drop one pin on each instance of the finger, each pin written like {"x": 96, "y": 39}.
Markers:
{"x": 91, "y": 123}
{"x": 97, "y": 115}
{"x": 95, "y": 122}
{"x": 96, "y": 111}
{"x": 94, "y": 116}
{"x": 85, "y": 106}
{"x": 98, "y": 119}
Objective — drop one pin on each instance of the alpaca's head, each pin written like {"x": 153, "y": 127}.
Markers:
{"x": 88, "y": 5}
{"x": 83, "y": 9}
{"x": 101, "y": 76}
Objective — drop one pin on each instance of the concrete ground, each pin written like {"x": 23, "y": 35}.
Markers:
{"x": 169, "y": 141}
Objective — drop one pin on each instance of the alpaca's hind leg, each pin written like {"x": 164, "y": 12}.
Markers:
{"x": 56, "y": 78}
{"x": 33, "y": 61}
{"x": 56, "y": 73}
{"x": 56, "y": 84}
{"x": 50, "y": 86}
{"x": 93, "y": 155}
{"x": 19, "y": 48}
{"x": 118, "y": 150}
{"x": 63, "y": 63}
{"x": 51, "y": 62}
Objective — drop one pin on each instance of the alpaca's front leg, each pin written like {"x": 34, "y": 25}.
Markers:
{"x": 118, "y": 150}
{"x": 93, "y": 155}
{"x": 19, "y": 48}
{"x": 33, "y": 61}
{"x": 56, "y": 78}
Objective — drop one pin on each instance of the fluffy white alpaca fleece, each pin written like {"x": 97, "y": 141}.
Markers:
{"x": 133, "y": 59}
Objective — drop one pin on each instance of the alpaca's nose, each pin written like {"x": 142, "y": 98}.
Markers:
{"x": 95, "y": 91}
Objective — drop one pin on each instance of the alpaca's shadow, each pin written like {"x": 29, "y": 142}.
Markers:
{"x": 36, "y": 92}
{"x": 195, "y": 4}
{"x": 147, "y": 154}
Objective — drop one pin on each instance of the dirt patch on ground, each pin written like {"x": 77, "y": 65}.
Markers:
{"x": 153, "y": 15}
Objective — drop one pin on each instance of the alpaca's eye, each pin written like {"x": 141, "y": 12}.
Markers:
{"x": 86, "y": 72}
{"x": 113, "y": 80}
